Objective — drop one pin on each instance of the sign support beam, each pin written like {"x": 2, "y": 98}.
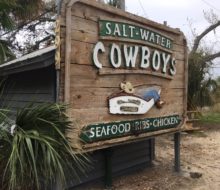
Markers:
{"x": 177, "y": 151}
{"x": 108, "y": 167}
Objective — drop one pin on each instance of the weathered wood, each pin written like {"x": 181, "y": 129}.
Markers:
{"x": 86, "y": 87}
{"x": 67, "y": 52}
{"x": 126, "y": 71}
{"x": 97, "y": 114}
{"x": 122, "y": 140}
{"x": 83, "y": 11}
{"x": 79, "y": 48}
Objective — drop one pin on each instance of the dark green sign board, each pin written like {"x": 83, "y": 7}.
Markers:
{"x": 125, "y": 30}
{"x": 98, "y": 132}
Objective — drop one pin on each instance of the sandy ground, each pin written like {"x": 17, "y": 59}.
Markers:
{"x": 200, "y": 165}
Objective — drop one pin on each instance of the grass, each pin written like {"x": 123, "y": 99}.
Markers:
{"x": 210, "y": 118}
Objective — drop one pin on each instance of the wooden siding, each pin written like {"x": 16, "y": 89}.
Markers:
{"x": 23, "y": 88}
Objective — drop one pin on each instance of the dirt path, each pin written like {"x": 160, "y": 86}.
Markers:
{"x": 200, "y": 165}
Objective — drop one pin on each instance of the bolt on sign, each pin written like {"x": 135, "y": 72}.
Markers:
{"x": 123, "y": 76}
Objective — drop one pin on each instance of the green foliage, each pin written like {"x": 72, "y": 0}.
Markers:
{"x": 37, "y": 152}
{"x": 5, "y": 52}
{"x": 13, "y": 13}
{"x": 217, "y": 92}
{"x": 19, "y": 10}
{"x": 200, "y": 85}
{"x": 6, "y": 20}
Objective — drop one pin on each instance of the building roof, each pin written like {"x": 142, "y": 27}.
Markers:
{"x": 35, "y": 60}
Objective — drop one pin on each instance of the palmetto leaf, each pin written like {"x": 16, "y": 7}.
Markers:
{"x": 5, "y": 52}
{"x": 40, "y": 150}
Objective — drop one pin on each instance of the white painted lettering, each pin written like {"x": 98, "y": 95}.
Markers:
{"x": 156, "y": 60}
{"x": 157, "y": 38}
{"x": 114, "y": 129}
{"x": 155, "y": 123}
{"x": 121, "y": 128}
{"x": 168, "y": 44}
{"x": 127, "y": 127}
{"x": 144, "y": 34}
{"x": 163, "y": 41}
{"x": 130, "y": 54}
{"x": 131, "y": 31}
{"x": 124, "y": 31}
{"x": 98, "y": 47}
{"x": 117, "y": 30}
{"x": 103, "y": 131}
{"x": 172, "y": 67}
{"x": 145, "y": 63}
{"x": 108, "y": 27}
{"x": 91, "y": 133}
{"x": 98, "y": 131}
{"x": 166, "y": 121}
{"x": 152, "y": 37}
{"x": 165, "y": 61}
{"x": 115, "y": 56}
{"x": 108, "y": 129}
{"x": 160, "y": 122}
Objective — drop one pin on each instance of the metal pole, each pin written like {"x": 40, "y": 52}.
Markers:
{"x": 177, "y": 151}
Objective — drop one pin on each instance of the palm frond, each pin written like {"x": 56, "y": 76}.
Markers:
{"x": 5, "y": 52}
{"x": 6, "y": 7}
{"x": 40, "y": 151}
{"x": 27, "y": 9}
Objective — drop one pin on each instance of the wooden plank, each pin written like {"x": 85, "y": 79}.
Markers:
{"x": 92, "y": 38}
{"x": 97, "y": 114}
{"x": 88, "y": 26}
{"x": 90, "y": 11}
{"x": 109, "y": 143}
{"x": 67, "y": 52}
{"x": 80, "y": 56}
{"x": 108, "y": 71}
{"x": 114, "y": 81}
{"x": 88, "y": 98}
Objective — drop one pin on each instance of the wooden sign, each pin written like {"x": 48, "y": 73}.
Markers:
{"x": 120, "y": 74}
{"x": 125, "y": 128}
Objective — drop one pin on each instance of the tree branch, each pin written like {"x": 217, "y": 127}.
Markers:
{"x": 49, "y": 37}
{"x": 211, "y": 57}
{"x": 22, "y": 25}
{"x": 204, "y": 33}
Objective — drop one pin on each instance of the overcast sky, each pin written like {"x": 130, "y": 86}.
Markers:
{"x": 179, "y": 14}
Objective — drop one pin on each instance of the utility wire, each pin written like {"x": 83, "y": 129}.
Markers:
{"x": 145, "y": 13}
{"x": 210, "y": 5}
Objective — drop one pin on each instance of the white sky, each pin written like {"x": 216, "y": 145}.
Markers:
{"x": 179, "y": 14}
